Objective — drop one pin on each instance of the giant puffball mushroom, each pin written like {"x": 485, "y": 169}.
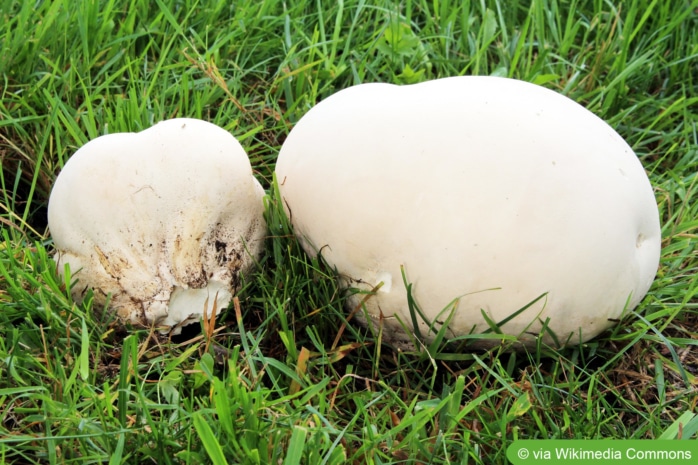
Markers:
{"x": 489, "y": 191}
{"x": 164, "y": 220}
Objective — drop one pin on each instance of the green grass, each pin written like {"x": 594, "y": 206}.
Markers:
{"x": 270, "y": 384}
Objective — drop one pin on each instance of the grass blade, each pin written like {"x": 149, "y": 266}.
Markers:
{"x": 208, "y": 439}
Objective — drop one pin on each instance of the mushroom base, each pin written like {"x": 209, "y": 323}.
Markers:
{"x": 190, "y": 305}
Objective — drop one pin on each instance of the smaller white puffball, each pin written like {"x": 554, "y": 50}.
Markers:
{"x": 164, "y": 221}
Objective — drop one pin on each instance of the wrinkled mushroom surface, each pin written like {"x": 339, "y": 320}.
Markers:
{"x": 164, "y": 220}
{"x": 487, "y": 190}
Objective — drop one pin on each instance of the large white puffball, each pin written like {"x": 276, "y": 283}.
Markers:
{"x": 164, "y": 221}
{"x": 487, "y": 190}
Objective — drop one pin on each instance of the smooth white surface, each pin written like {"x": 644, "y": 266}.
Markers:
{"x": 490, "y": 190}
{"x": 142, "y": 215}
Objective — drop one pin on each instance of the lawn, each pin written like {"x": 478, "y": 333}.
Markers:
{"x": 281, "y": 376}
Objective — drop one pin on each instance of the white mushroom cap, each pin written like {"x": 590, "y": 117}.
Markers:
{"x": 163, "y": 220}
{"x": 490, "y": 190}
